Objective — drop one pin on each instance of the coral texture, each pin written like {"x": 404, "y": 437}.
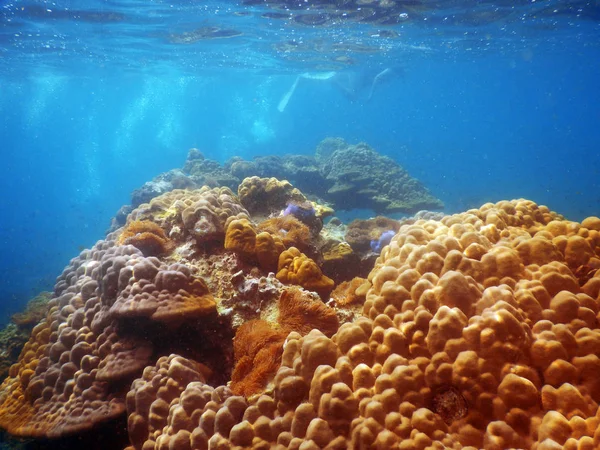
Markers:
{"x": 72, "y": 373}
{"x": 201, "y": 213}
{"x": 146, "y": 236}
{"x": 379, "y": 183}
{"x": 296, "y": 268}
{"x": 476, "y": 333}
{"x": 14, "y": 336}
{"x": 264, "y": 196}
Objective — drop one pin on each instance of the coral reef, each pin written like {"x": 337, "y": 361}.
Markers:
{"x": 173, "y": 179}
{"x": 14, "y": 336}
{"x": 346, "y": 176}
{"x": 473, "y": 330}
{"x": 361, "y": 178}
{"x": 476, "y": 334}
{"x": 35, "y": 310}
{"x": 206, "y": 172}
{"x": 116, "y": 310}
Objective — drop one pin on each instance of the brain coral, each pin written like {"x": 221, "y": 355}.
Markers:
{"x": 476, "y": 334}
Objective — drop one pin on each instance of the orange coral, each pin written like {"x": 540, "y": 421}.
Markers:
{"x": 16, "y": 402}
{"x": 240, "y": 237}
{"x": 258, "y": 345}
{"x": 295, "y": 267}
{"x": 300, "y": 312}
{"x": 257, "y": 350}
{"x": 291, "y": 231}
{"x": 147, "y": 236}
{"x": 476, "y": 334}
{"x": 351, "y": 292}
{"x": 268, "y": 248}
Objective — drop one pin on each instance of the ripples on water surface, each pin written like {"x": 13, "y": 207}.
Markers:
{"x": 276, "y": 36}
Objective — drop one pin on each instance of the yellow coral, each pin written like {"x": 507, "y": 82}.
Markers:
{"x": 147, "y": 236}
{"x": 268, "y": 248}
{"x": 476, "y": 334}
{"x": 296, "y": 268}
{"x": 241, "y": 237}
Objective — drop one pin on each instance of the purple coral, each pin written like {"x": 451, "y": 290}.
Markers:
{"x": 384, "y": 239}
{"x": 302, "y": 211}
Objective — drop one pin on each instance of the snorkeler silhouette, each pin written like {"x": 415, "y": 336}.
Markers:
{"x": 356, "y": 86}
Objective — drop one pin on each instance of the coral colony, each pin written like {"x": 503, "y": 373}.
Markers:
{"x": 209, "y": 320}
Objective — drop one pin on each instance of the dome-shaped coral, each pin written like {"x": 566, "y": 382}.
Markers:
{"x": 296, "y": 268}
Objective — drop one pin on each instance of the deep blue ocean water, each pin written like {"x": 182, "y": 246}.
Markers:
{"x": 493, "y": 100}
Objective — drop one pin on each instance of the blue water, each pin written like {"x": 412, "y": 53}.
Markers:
{"x": 494, "y": 102}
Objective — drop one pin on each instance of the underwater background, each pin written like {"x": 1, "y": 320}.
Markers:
{"x": 479, "y": 329}
{"x": 495, "y": 100}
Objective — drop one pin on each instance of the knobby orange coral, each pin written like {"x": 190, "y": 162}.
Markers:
{"x": 476, "y": 334}
{"x": 240, "y": 237}
{"x": 267, "y": 250}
